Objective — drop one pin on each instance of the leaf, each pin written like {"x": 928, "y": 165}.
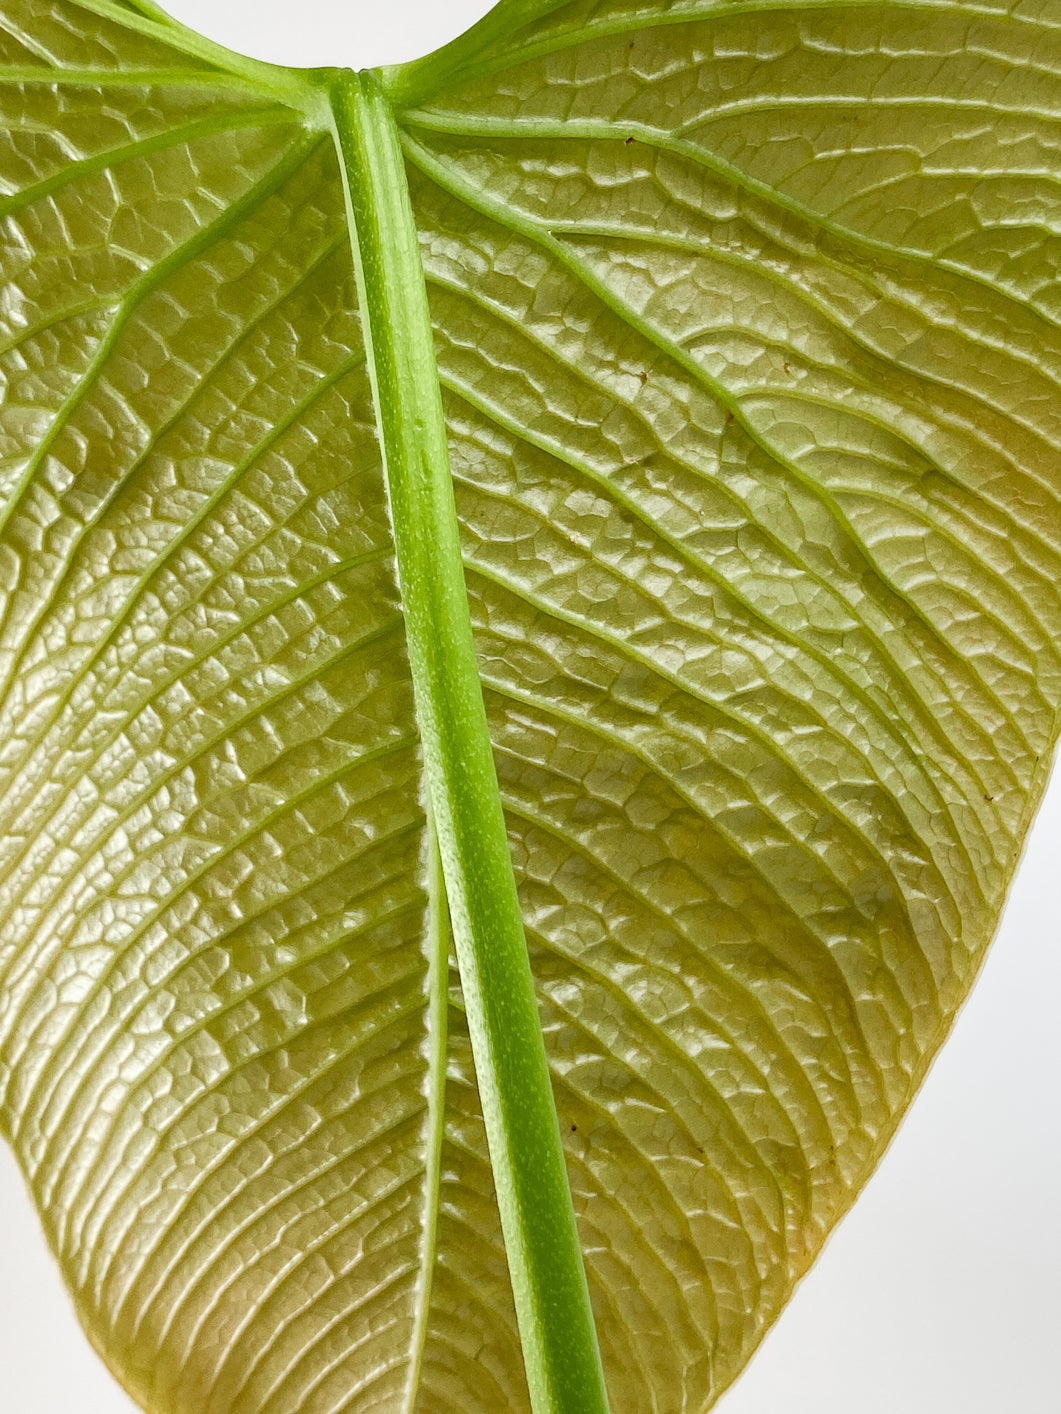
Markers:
{"x": 747, "y": 330}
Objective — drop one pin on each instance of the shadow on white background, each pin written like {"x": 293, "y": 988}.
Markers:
{"x": 940, "y": 1293}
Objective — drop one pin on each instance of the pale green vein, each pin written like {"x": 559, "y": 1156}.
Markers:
{"x": 360, "y": 1393}
{"x": 775, "y": 1052}
{"x": 378, "y": 1371}
{"x": 129, "y": 303}
{"x": 734, "y": 1149}
{"x": 200, "y": 752}
{"x": 98, "y": 304}
{"x": 790, "y": 283}
{"x": 330, "y": 945}
{"x": 53, "y": 1116}
{"x": 345, "y": 1348}
{"x": 652, "y": 1188}
{"x": 461, "y": 62}
{"x": 212, "y": 126}
{"x": 189, "y": 527}
{"x": 24, "y": 41}
{"x": 199, "y": 1276}
{"x": 446, "y": 65}
{"x": 478, "y": 1313}
{"x": 97, "y": 1198}
{"x": 601, "y": 1195}
{"x": 747, "y": 728}
{"x": 11, "y": 973}
{"x": 1035, "y": 364}
{"x": 436, "y": 1042}
{"x": 553, "y": 608}
{"x": 361, "y": 1014}
{"x": 59, "y": 76}
{"x": 898, "y": 680}
{"x": 120, "y": 483}
{"x": 719, "y": 1269}
{"x": 485, "y": 204}
{"x": 305, "y": 1251}
{"x": 72, "y": 823}
{"x": 718, "y": 1112}
{"x": 398, "y": 1010}
{"x": 830, "y": 663}
{"x": 468, "y": 125}
{"x": 829, "y": 969}
{"x": 193, "y": 877}
{"x": 630, "y": 745}
{"x": 291, "y": 86}
{"x": 874, "y": 106}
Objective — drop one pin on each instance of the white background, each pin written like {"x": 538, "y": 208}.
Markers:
{"x": 941, "y": 1292}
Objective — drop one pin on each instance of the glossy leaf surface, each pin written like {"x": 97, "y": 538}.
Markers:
{"x": 747, "y": 327}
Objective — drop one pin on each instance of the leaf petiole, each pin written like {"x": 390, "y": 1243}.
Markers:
{"x": 564, "y": 1371}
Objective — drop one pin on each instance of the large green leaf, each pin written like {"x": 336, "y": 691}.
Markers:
{"x": 747, "y": 327}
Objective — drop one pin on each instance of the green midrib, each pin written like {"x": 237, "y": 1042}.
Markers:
{"x": 564, "y": 1372}
{"x": 471, "y": 876}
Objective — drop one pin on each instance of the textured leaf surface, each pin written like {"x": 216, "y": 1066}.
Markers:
{"x": 748, "y": 325}
{"x": 214, "y": 960}
{"x": 753, "y": 386}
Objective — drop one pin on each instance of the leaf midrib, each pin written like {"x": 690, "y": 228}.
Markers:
{"x": 546, "y": 1265}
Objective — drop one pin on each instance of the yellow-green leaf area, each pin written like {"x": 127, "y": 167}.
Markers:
{"x": 747, "y": 324}
{"x": 747, "y": 328}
